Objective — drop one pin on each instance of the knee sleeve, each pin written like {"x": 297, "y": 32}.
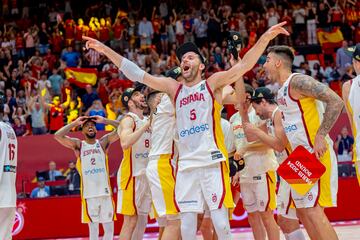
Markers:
{"x": 108, "y": 231}
{"x": 188, "y": 225}
{"x": 140, "y": 227}
{"x": 220, "y": 219}
{"x": 93, "y": 231}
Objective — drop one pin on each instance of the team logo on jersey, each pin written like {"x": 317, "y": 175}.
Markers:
{"x": 19, "y": 219}
{"x": 202, "y": 87}
{"x": 282, "y": 101}
{"x": 214, "y": 197}
{"x": 9, "y": 168}
{"x": 285, "y": 91}
{"x": 310, "y": 196}
{"x": 98, "y": 145}
{"x": 94, "y": 171}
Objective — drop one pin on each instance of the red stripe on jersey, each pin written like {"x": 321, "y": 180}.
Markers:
{"x": 268, "y": 191}
{"x": 212, "y": 112}
{"x": 317, "y": 198}
{"x": 134, "y": 203}
{"x": 177, "y": 93}
{"x": 223, "y": 185}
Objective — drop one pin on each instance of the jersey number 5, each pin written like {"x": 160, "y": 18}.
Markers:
{"x": 11, "y": 151}
{"x": 192, "y": 115}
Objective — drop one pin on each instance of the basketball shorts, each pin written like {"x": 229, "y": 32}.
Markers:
{"x": 260, "y": 194}
{"x": 161, "y": 177}
{"x": 7, "y": 217}
{"x": 100, "y": 209}
{"x": 197, "y": 186}
{"x": 136, "y": 198}
{"x": 285, "y": 205}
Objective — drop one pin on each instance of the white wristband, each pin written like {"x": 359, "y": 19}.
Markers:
{"x": 132, "y": 71}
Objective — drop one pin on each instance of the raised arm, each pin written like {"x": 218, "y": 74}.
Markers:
{"x": 132, "y": 71}
{"x": 60, "y": 135}
{"x": 306, "y": 86}
{"x": 221, "y": 79}
{"x": 111, "y": 137}
{"x": 126, "y": 133}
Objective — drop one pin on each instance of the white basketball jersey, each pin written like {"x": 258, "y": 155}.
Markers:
{"x": 256, "y": 162}
{"x": 280, "y": 156}
{"x": 201, "y": 140}
{"x": 8, "y": 166}
{"x": 229, "y": 135}
{"x": 94, "y": 170}
{"x": 301, "y": 118}
{"x": 354, "y": 106}
{"x": 163, "y": 128}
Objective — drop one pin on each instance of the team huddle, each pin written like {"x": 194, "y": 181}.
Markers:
{"x": 176, "y": 166}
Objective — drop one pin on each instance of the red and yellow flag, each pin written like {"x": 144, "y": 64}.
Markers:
{"x": 81, "y": 76}
{"x": 330, "y": 40}
{"x": 301, "y": 170}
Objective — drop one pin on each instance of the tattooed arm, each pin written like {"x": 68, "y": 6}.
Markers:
{"x": 305, "y": 86}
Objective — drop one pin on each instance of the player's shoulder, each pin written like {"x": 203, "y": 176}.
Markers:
{"x": 234, "y": 117}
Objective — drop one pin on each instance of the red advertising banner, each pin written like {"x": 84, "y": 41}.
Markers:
{"x": 301, "y": 170}
{"x": 60, "y": 217}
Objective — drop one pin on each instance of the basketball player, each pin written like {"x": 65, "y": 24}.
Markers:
{"x": 8, "y": 163}
{"x": 160, "y": 170}
{"x": 202, "y": 174}
{"x": 306, "y": 123}
{"x": 263, "y": 101}
{"x": 257, "y": 179}
{"x": 92, "y": 165}
{"x": 134, "y": 197}
{"x": 351, "y": 96}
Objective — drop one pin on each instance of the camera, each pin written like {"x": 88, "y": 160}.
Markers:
{"x": 234, "y": 43}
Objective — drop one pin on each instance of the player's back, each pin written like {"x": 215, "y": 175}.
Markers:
{"x": 8, "y": 165}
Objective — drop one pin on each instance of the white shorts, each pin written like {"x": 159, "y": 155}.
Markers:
{"x": 161, "y": 177}
{"x": 7, "y": 217}
{"x": 196, "y": 186}
{"x": 136, "y": 199}
{"x": 284, "y": 201}
{"x": 100, "y": 209}
{"x": 259, "y": 195}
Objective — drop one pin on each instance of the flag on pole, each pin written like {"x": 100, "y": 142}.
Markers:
{"x": 81, "y": 76}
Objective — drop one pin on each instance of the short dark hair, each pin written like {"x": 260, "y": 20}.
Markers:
{"x": 283, "y": 51}
{"x": 151, "y": 96}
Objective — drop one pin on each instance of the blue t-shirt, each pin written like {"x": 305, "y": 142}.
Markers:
{"x": 71, "y": 58}
{"x": 56, "y": 81}
{"x": 99, "y": 126}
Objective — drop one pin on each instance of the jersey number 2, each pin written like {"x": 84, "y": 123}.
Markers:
{"x": 92, "y": 161}
{"x": 11, "y": 151}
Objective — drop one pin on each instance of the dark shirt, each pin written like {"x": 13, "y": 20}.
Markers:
{"x": 345, "y": 144}
{"x": 74, "y": 178}
{"x": 88, "y": 99}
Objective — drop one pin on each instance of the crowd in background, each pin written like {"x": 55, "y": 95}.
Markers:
{"x": 39, "y": 39}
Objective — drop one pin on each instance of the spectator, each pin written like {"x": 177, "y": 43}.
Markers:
{"x": 37, "y": 116}
{"x": 349, "y": 73}
{"x": 344, "y": 145}
{"x": 42, "y": 191}
{"x": 322, "y": 15}
{"x": 89, "y": 97}
{"x": 20, "y": 113}
{"x": 53, "y": 173}
{"x": 200, "y": 30}
{"x": 56, "y": 81}
{"x": 97, "y": 109}
{"x": 342, "y": 58}
{"x": 94, "y": 58}
{"x": 145, "y": 32}
{"x": 311, "y": 22}
{"x": 71, "y": 58}
{"x": 73, "y": 179}
{"x": 179, "y": 30}
{"x": 44, "y": 39}
{"x": 19, "y": 129}
{"x": 299, "y": 16}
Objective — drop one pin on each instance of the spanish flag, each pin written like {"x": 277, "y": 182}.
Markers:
{"x": 81, "y": 76}
{"x": 330, "y": 40}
